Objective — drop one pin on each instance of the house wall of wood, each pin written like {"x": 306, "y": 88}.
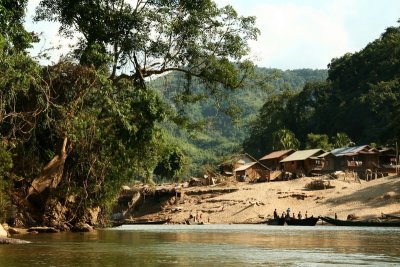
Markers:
{"x": 371, "y": 161}
{"x": 253, "y": 173}
{"x": 306, "y": 167}
{"x": 273, "y": 164}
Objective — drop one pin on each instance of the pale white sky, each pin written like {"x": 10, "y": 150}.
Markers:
{"x": 295, "y": 33}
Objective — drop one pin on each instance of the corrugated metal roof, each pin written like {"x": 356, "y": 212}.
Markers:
{"x": 244, "y": 167}
{"x": 276, "y": 154}
{"x": 302, "y": 155}
{"x": 349, "y": 151}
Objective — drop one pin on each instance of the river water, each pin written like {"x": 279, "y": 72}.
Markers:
{"x": 210, "y": 245}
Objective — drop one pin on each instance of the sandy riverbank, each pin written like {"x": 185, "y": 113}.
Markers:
{"x": 255, "y": 202}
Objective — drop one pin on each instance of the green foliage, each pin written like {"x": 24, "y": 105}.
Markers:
{"x": 341, "y": 140}
{"x": 172, "y": 164}
{"x": 318, "y": 141}
{"x": 155, "y": 37}
{"x": 284, "y": 139}
{"x": 12, "y": 13}
{"x": 366, "y": 87}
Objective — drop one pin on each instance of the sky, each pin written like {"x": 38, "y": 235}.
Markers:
{"x": 294, "y": 33}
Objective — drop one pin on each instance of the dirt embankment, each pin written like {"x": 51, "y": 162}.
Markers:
{"x": 251, "y": 203}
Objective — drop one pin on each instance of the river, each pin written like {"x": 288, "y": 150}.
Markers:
{"x": 210, "y": 245}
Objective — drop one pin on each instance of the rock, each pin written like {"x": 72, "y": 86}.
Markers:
{"x": 5, "y": 240}
{"x": 3, "y": 233}
{"x": 43, "y": 229}
{"x": 13, "y": 231}
{"x": 389, "y": 195}
{"x": 82, "y": 227}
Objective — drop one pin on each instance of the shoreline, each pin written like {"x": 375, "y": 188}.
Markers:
{"x": 254, "y": 203}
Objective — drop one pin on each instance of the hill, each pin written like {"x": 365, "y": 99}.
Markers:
{"x": 217, "y": 126}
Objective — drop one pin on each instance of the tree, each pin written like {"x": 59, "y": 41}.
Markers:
{"x": 150, "y": 38}
{"x": 341, "y": 140}
{"x": 172, "y": 164}
{"x": 12, "y": 31}
{"x": 318, "y": 141}
{"x": 285, "y": 139}
{"x": 366, "y": 85}
{"x": 276, "y": 114}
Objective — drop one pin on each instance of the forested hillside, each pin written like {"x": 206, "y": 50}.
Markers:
{"x": 217, "y": 127}
{"x": 360, "y": 99}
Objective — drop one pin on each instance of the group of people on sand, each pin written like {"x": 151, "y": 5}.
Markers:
{"x": 287, "y": 215}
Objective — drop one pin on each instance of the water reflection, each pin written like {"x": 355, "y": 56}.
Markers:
{"x": 205, "y": 245}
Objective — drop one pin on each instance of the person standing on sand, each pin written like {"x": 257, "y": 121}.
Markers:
{"x": 335, "y": 216}
{"x": 275, "y": 214}
{"x": 306, "y": 216}
{"x": 288, "y": 212}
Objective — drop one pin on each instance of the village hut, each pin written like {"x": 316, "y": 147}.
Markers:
{"x": 253, "y": 171}
{"x": 228, "y": 167}
{"x": 273, "y": 159}
{"x": 357, "y": 158}
{"x": 303, "y": 162}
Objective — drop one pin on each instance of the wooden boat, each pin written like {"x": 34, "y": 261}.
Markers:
{"x": 364, "y": 223}
{"x": 391, "y": 216}
{"x": 311, "y": 221}
{"x": 133, "y": 222}
{"x": 276, "y": 221}
{"x": 191, "y": 222}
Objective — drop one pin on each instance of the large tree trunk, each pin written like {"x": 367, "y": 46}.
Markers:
{"x": 51, "y": 174}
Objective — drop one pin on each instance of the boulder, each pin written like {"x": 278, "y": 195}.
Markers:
{"x": 82, "y": 227}
{"x": 13, "y": 231}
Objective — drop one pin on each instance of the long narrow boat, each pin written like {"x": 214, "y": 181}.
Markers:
{"x": 276, "y": 221}
{"x": 362, "y": 223}
{"x": 391, "y": 216}
{"x": 131, "y": 222}
{"x": 303, "y": 222}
